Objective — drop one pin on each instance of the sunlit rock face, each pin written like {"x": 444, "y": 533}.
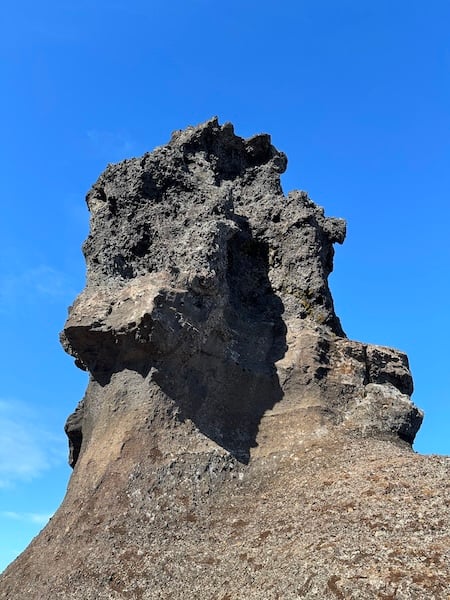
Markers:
{"x": 212, "y": 285}
{"x": 232, "y": 442}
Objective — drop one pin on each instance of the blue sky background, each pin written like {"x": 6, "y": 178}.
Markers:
{"x": 356, "y": 93}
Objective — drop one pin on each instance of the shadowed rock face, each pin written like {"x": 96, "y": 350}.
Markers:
{"x": 229, "y": 425}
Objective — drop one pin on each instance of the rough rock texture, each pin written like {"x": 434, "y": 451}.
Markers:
{"x": 232, "y": 442}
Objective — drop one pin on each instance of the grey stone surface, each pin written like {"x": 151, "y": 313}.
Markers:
{"x": 197, "y": 267}
{"x": 232, "y": 442}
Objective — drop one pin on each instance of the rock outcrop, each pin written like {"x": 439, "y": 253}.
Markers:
{"x": 232, "y": 442}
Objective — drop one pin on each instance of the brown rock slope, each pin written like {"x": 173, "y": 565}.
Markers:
{"x": 232, "y": 442}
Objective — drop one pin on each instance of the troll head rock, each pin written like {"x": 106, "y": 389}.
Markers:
{"x": 209, "y": 288}
{"x": 232, "y": 441}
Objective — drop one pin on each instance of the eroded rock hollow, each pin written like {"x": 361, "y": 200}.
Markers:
{"x": 226, "y": 408}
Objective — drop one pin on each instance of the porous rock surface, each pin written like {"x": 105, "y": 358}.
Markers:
{"x": 232, "y": 442}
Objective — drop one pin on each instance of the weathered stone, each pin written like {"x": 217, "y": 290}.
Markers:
{"x": 198, "y": 265}
{"x": 232, "y": 442}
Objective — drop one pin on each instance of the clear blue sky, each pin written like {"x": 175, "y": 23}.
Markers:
{"x": 356, "y": 93}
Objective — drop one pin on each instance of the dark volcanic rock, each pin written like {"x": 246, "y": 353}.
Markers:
{"x": 232, "y": 442}
{"x": 196, "y": 264}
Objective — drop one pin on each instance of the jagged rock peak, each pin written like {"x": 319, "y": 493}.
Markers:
{"x": 177, "y": 209}
{"x": 213, "y": 286}
{"x": 232, "y": 442}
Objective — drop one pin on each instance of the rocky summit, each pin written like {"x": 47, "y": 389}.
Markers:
{"x": 232, "y": 443}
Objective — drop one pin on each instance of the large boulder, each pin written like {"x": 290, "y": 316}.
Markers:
{"x": 232, "y": 442}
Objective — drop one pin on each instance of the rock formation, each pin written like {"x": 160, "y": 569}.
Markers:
{"x": 232, "y": 442}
